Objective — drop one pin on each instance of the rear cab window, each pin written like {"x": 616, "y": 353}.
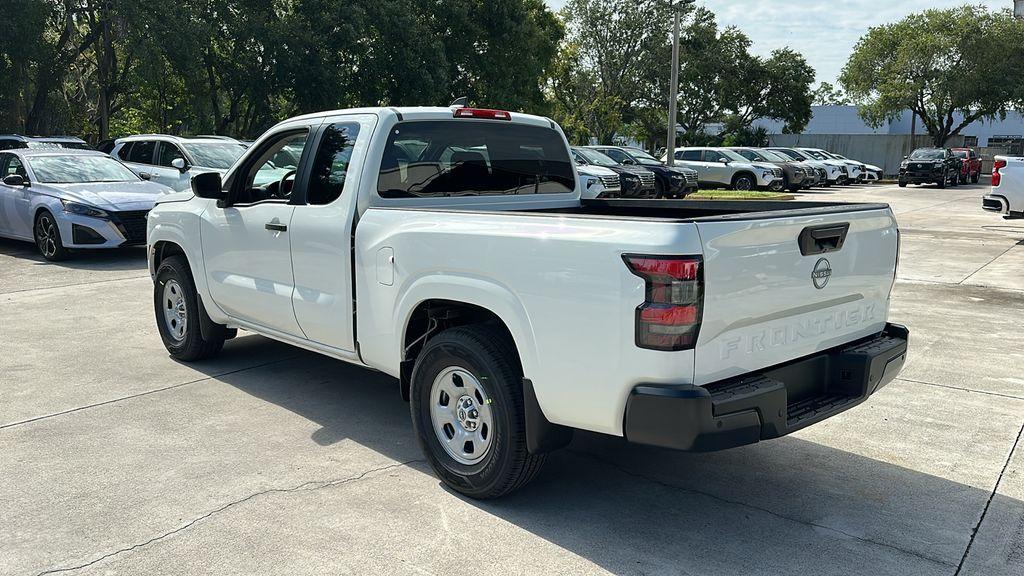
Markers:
{"x": 444, "y": 158}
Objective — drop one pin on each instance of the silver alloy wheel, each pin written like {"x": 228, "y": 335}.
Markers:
{"x": 744, "y": 183}
{"x": 175, "y": 310}
{"x": 46, "y": 235}
{"x": 460, "y": 412}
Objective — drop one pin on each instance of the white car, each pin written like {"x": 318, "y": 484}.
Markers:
{"x": 834, "y": 172}
{"x": 450, "y": 249}
{"x": 870, "y": 172}
{"x": 173, "y": 160}
{"x": 64, "y": 199}
{"x": 721, "y": 167}
{"x": 598, "y": 182}
{"x": 854, "y": 171}
{"x": 1007, "y": 194}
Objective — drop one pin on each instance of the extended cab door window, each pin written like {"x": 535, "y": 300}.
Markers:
{"x": 442, "y": 158}
{"x": 331, "y": 164}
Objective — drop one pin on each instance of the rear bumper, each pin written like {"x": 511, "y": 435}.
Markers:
{"x": 768, "y": 404}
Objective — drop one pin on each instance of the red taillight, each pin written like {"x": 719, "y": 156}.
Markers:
{"x": 669, "y": 318}
{"x": 996, "y": 176}
{"x": 482, "y": 113}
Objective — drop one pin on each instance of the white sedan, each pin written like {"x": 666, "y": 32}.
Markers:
{"x": 71, "y": 199}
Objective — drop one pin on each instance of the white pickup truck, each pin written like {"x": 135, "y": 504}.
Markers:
{"x": 1007, "y": 195}
{"x": 449, "y": 248}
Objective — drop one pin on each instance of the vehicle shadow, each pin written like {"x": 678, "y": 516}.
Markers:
{"x": 782, "y": 507}
{"x": 117, "y": 259}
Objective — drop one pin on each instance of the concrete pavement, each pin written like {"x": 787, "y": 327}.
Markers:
{"x": 116, "y": 459}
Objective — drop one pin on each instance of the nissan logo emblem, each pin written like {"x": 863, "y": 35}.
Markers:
{"x": 821, "y": 273}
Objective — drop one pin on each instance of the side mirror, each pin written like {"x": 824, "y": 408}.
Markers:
{"x": 180, "y": 164}
{"x": 580, "y": 162}
{"x": 145, "y": 175}
{"x": 629, "y": 161}
{"x": 208, "y": 185}
{"x": 906, "y": 157}
{"x": 15, "y": 180}
{"x": 723, "y": 160}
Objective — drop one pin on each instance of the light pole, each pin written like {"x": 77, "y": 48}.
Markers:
{"x": 673, "y": 89}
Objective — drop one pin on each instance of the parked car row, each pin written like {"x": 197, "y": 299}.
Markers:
{"x": 640, "y": 175}
{"x": 793, "y": 169}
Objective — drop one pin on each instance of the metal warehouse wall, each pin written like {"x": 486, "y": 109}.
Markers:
{"x": 883, "y": 150}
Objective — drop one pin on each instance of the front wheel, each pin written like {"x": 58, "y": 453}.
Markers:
{"x": 177, "y": 313}
{"x": 47, "y": 237}
{"x": 743, "y": 182}
{"x": 467, "y": 412}
{"x": 976, "y": 178}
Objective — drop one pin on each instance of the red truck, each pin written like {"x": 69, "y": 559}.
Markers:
{"x": 971, "y": 171}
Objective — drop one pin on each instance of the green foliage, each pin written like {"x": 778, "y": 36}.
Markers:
{"x": 949, "y": 67}
{"x": 238, "y": 66}
{"x": 828, "y": 95}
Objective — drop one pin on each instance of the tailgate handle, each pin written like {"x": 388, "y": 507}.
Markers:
{"x": 822, "y": 239}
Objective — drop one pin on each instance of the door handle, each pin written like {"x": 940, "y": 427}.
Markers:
{"x": 823, "y": 239}
{"x": 276, "y": 227}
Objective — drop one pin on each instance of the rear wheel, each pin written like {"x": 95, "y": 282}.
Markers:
{"x": 467, "y": 412}
{"x": 903, "y": 183}
{"x": 976, "y": 178}
{"x": 176, "y": 304}
{"x": 47, "y": 237}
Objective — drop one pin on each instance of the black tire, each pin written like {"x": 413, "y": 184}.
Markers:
{"x": 47, "y": 236}
{"x": 743, "y": 181}
{"x": 976, "y": 178}
{"x": 903, "y": 183}
{"x": 487, "y": 354}
{"x": 191, "y": 346}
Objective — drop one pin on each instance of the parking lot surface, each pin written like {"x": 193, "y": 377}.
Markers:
{"x": 272, "y": 460}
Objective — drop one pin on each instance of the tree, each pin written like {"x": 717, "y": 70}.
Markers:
{"x": 619, "y": 51}
{"x": 828, "y": 95}
{"x": 948, "y": 67}
{"x": 776, "y": 88}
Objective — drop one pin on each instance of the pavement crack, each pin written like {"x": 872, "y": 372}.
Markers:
{"x": 147, "y": 392}
{"x": 768, "y": 511}
{"x": 304, "y": 487}
{"x": 73, "y": 285}
{"x": 960, "y": 388}
{"x": 991, "y": 497}
{"x": 989, "y": 263}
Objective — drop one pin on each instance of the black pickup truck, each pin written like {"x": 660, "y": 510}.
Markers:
{"x": 931, "y": 166}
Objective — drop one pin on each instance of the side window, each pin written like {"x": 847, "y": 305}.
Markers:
{"x": 168, "y": 153}
{"x": 264, "y": 178}
{"x": 691, "y": 155}
{"x": 125, "y": 151}
{"x": 748, "y": 154}
{"x": 142, "y": 152}
{"x": 712, "y": 156}
{"x": 12, "y": 165}
{"x": 330, "y": 167}
{"x": 617, "y": 155}
{"x": 5, "y": 144}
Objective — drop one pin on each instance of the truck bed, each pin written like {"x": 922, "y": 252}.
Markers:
{"x": 702, "y": 210}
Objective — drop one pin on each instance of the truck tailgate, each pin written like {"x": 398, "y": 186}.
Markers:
{"x": 781, "y": 287}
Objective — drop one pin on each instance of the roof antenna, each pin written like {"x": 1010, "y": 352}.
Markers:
{"x": 460, "y": 102}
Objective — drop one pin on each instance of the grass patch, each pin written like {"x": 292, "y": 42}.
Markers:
{"x": 739, "y": 195}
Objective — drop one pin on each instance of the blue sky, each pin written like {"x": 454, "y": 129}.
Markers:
{"x": 824, "y": 31}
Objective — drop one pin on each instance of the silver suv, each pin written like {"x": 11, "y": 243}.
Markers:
{"x": 173, "y": 160}
{"x": 720, "y": 167}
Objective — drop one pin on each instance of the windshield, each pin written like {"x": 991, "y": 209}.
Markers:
{"x": 772, "y": 156}
{"x": 960, "y": 153}
{"x": 816, "y": 155}
{"x": 595, "y": 157}
{"x": 643, "y": 157}
{"x": 79, "y": 169}
{"x": 927, "y": 154}
{"x": 790, "y": 154}
{"x": 731, "y": 155}
{"x": 218, "y": 155}
{"x": 44, "y": 144}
